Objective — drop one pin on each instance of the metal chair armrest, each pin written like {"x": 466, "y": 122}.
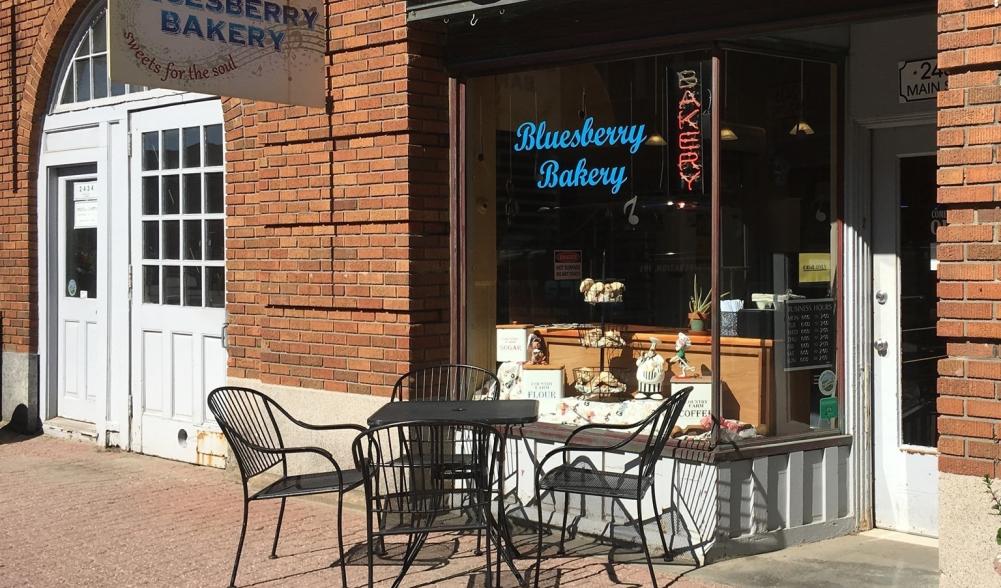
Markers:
{"x": 292, "y": 450}
{"x": 312, "y": 427}
{"x": 565, "y": 450}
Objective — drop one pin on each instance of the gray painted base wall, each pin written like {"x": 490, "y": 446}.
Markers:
{"x": 19, "y": 391}
{"x": 967, "y": 531}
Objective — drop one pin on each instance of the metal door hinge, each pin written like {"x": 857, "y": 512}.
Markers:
{"x": 130, "y": 144}
{"x": 130, "y": 282}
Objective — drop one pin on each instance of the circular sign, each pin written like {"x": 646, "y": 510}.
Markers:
{"x": 71, "y": 287}
{"x": 827, "y": 382}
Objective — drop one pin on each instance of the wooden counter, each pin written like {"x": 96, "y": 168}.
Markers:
{"x": 746, "y": 366}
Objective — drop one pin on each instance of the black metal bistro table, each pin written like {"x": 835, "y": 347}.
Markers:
{"x": 499, "y": 413}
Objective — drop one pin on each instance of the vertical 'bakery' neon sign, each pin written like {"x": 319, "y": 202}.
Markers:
{"x": 689, "y": 130}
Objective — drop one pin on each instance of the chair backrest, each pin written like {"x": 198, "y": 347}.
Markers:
{"x": 246, "y": 417}
{"x": 403, "y": 466}
{"x": 446, "y": 382}
{"x": 659, "y": 426}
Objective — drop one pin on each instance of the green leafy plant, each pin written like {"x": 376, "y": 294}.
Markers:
{"x": 701, "y": 302}
{"x": 996, "y": 506}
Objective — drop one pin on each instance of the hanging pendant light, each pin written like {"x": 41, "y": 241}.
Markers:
{"x": 801, "y": 128}
{"x": 655, "y": 139}
{"x": 725, "y": 132}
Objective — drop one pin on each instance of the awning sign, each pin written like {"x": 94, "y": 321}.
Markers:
{"x": 258, "y": 49}
{"x": 920, "y": 80}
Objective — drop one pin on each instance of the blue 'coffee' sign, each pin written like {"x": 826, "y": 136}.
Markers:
{"x": 534, "y": 136}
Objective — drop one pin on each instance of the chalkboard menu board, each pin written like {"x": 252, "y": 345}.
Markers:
{"x": 809, "y": 334}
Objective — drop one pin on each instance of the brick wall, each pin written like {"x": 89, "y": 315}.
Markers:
{"x": 338, "y": 219}
{"x": 969, "y": 250}
{"x": 27, "y": 65}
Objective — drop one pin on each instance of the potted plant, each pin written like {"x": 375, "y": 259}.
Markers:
{"x": 700, "y": 308}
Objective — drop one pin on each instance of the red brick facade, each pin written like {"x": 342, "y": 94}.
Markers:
{"x": 969, "y": 247}
{"x": 337, "y": 218}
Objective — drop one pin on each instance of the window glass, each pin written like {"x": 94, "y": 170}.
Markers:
{"x": 86, "y": 76}
{"x": 588, "y": 224}
{"x": 778, "y": 261}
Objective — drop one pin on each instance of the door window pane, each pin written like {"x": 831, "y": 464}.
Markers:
{"x": 171, "y": 194}
{"x": 171, "y": 240}
{"x": 151, "y": 151}
{"x": 151, "y": 195}
{"x": 151, "y": 240}
{"x": 82, "y": 67}
{"x": 84, "y": 47}
{"x": 192, "y": 193}
{"x": 171, "y": 149}
{"x": 98, "y": 35}
{"x": 214, "y": 193}
{"x": 215, "y": 237}
{"x": 213, "y": 145}
{"x": 192, "y": 286}
{"x": 192, "y": 147}
{"x": 171, "y": 284}
{"x": 100, "y": 65}
{"x": 193, "y": 239}
{"x": 215, "y": 287}
{"x": 920, "y": 346}
{"x": 151, "y": 284}
{"x": 81, "y": 244}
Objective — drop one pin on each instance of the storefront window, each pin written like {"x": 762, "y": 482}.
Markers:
{"x": 589, "y": 240}
{"x": 778, "y": 250}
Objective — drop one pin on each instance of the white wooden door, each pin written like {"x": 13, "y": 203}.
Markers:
{"x": 906, "y": 348}
{"x": 81, "y": 280}
{"x": 178, "y": 273}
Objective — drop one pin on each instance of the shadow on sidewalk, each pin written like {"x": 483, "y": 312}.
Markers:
{"x": 12, "y": 431}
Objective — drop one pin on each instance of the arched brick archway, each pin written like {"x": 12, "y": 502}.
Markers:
{"x": 39, "y": 50}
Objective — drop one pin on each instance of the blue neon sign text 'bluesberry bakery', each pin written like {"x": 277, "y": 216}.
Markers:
{"x": 535, "y": 136}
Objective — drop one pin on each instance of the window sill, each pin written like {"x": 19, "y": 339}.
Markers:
{"x": 688, "y": 450}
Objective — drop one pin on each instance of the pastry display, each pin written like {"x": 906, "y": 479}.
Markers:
{"x": 596, "y": 337}
{"x": 591, "y": 382}
{"x": 597, "y": 292}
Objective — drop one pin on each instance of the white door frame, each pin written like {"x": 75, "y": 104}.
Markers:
{"x": 858, "y": 296}
{"x": 109, "y": 151}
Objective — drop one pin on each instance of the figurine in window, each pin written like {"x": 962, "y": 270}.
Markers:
{"x": 680, "y": 346}
{"x": 650, "y": 372}
{"x": 538, "y": 350}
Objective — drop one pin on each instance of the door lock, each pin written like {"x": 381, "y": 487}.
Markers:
{"x": 880, "y": 346}
{"x": 881, "y": 296}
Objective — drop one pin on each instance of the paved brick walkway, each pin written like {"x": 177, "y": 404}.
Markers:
{"x": 75, "y": 515}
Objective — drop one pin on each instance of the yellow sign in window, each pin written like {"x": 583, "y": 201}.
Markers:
{"x": 814, "y": 267}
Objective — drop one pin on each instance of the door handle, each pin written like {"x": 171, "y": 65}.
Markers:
{"x": 225, "y": 328}
{"x": 880, "y": 346}
{"x": 881, "y": 297}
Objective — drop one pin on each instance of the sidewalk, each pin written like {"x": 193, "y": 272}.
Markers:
{"x": 75, "y": 515}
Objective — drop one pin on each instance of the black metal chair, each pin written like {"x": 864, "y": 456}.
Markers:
{"x": 446, "y": 382}
{"x": 582, "y": 477}
{"x": 247, "y": 418}
{"x": 408, "y": 490}
{"x": 449, "y": 382}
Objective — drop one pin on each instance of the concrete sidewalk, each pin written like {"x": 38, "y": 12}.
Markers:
{"x": 876, "y": 558}
{"x": 75, "y": 515}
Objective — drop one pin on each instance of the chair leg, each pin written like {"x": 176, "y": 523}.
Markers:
{"x": 490, "y": 580}
{"x": 646, "y": 549}
{"x": 657, "y": 513}
{"x": 563, "y": 528}
{"x": 538, "y": 544}
{"x": 239, "y": 546}
{"x": 479, "y": 542}
{"x": 340, "y": 538}
{"x": 278, "y": 530}
{"x": 371, "y": 554}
